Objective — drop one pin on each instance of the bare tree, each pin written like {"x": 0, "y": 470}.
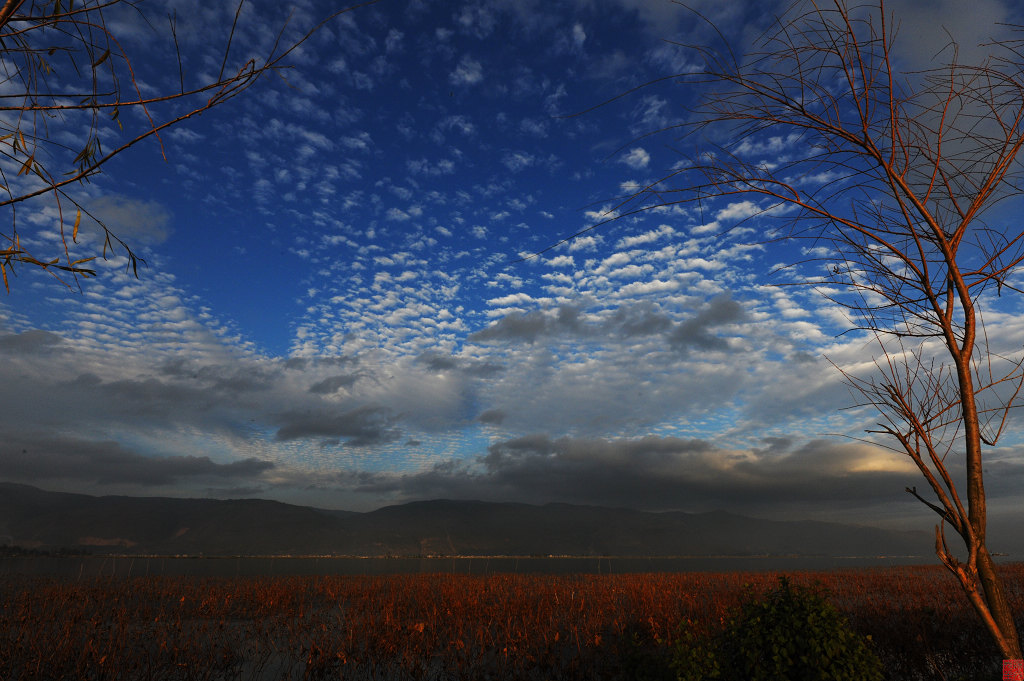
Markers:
{"x": 64, "y": 73}
{"x": 897, "y": 173}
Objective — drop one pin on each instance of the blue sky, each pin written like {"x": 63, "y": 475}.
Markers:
{"x": 334, "y": 310}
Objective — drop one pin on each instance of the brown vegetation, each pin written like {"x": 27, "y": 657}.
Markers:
{"x": 451, "y": 627}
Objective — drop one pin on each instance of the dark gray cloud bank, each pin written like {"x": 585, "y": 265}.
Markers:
{"x": 30, "y": 342}
{"x": 329, "y": 406}
{"x": 41, "y": 459}
{"x": 367, "y": 425}
{"x": 655, "y": 473}
{"x": 821, "y": 478}
{"x": 701, "y": 331}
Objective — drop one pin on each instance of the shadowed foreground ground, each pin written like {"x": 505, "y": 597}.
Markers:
{"x": 452, "y": 627}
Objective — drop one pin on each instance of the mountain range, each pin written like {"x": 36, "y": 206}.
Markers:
{"x": 38, "y": 519}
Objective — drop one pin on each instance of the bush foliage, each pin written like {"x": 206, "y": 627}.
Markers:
{"x": 793, "y": 633}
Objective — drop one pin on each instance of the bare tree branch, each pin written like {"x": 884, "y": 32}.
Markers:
{"x": 898, "y": 172}
{"x": 33, "y": 164}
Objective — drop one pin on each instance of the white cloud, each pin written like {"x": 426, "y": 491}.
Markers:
{"x": 653, "y": 235}
{"x": 604, "y": 214}
{"x": 709, "y": 228}
{"x": 394, "y": 40}
{"x": 738, "y": 210}
{"x": 585, "y": 243}
{"x": 422, "y": 166}
{"x": 534, "y": 126}
{"x": 511, "y": 299}
{"x": 637, "y": 158}
{"x": 517, "y": 161}
{"x": 360, "y": 141}
{"x": 648, "y": 287}
{"x": 631, "y": 271}
{"x": 772, "y": 145}
{"x": 652, "y": 114}
{"x": 468, "y": 72}
{"x": 460, "y": 123}
{"x": 337, "y": 65}
{"x": 702, "y": 264}
{"x": 186, "y": 135}
{"x": 579, "y": 36}
{"x": 561, "y": 261}
{"x": 620, "y": 258}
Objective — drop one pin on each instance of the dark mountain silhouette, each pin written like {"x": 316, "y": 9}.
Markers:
{"x": 33, "y": 518}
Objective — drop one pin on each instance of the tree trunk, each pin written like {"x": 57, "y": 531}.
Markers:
{"x": 1004, "y": 628}
{"x": 1007, "y": 637}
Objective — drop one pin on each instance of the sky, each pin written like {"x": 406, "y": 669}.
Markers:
{"x": 335, "y": 309}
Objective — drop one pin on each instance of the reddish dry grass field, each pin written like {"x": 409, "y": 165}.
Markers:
{"x": 451, "y": 627}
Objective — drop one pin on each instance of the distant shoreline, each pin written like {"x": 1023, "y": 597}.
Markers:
{"x": 76, "y": 553}
{"x": 130, "y": 565}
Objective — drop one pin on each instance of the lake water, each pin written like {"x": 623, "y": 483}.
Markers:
{"x": 130, "y": 566}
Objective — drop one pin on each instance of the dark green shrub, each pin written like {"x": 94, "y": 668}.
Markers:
{"x": 641, "y": 656}
{"x": 791, "y": 634}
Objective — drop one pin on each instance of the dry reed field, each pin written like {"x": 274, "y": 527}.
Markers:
{"x": 452, "y": 627}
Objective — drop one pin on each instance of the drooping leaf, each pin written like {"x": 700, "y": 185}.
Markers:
{"x": 26, "y": 167}
{"x": 103, "y": 58}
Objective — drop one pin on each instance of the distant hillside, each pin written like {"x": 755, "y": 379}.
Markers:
{"x": 33, "y": 518}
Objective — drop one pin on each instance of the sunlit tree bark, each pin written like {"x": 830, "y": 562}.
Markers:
{"x": 901, "y": 175}
{"x": 62, "y": 65}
